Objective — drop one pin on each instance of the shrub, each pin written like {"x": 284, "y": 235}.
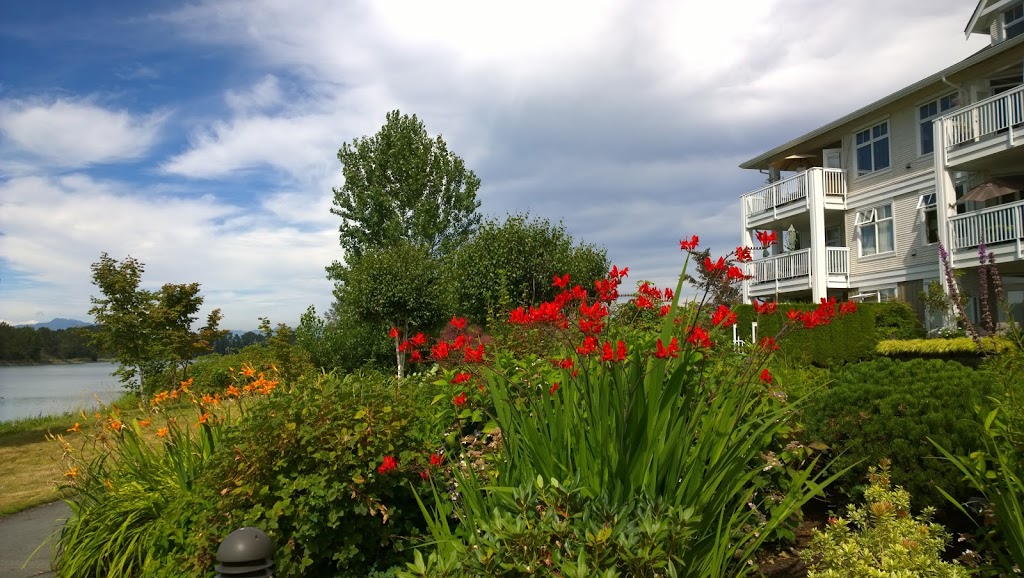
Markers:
{"x": 943, "y": 347}
{"x": 885, "y": 408}
{"x": 214, "y": 373}
{"x": 661, "y": 417}
{"x": 895, "y": 320}
{"x": 844, "y": 340}
{"x": 881, "y": 539}
{"x": 324, "y": 470}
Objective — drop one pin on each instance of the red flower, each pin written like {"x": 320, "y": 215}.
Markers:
{"x": 554, "y": 388}
{"x": 461, "y": 378}
{"x": 735, "y": 274}
{"x": 723, "y": 316}
{"x": 668, "y": 294}
{"x": 460, "y": 341}
{"x": 765, "y": 308}
{"x": 690, "y": 245}
{"x": 404, "y": 346}
{"x": 643, "y": 302}
{"x": 459, "y": 400}
{"x": 715, "y": 266}
{"x": 699, "y": 337}
{"x": 618, "y": 354}
{"x": 436, "y": 459}
{"x": 418, "y": 339}
{"x": 425, "y": 475}
{"x": 393, "y": 334}
{"x": 471, "y": 355}
{"x": 766, "y": 376}
{"x": 415, "y": 357}
{"x": 769, "y": 344}
{"x": 387, "y": 464}
{"x": 793, "y": 315}
{"x": 665, "y": 309}
{"x": 561, "y": 282}
{"x": 440, "y": 351}
{"x": 588, "y": 346}
{"x": 564, "y": 363}
{"x": 458, "y": 323}
{"x": 743, "y": 254}
{"x": 767, "y": 238}
{"x": 848, "y": 307}
{"x": 670, "y": 351}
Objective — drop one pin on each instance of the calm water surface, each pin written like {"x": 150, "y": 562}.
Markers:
{"x": 36, "y": 390}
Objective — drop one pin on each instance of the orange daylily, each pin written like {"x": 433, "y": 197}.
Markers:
{"x": 248, "y": 371}
{"x": 143, "y": 422}
{"x": 161, "y": 432}
{"x": 74, "y": 428}
{"x": 72, "y": 473}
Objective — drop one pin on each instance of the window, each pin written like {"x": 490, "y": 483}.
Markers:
{"x": 927, "y": 113}
{"x": 834, "y": 237}
{"x": 875, "y": 228}
{"x": 1013, "y": 22}
{"x": 873, "y": 149}
{"x": 926, "y": 204}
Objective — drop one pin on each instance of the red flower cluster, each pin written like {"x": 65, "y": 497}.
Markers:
{"x": 743, "y": 254}
{"x": 616, "y": 355}
{"x": 822, "y": 315}
{"x": 698, "y": 337}
{"x": 461, "y": 378}
{"x": 766, "y": 376}
{"x": 389, "y": 463}
{"x": 459, "y": 400}
{"x": 671, "y": 351}
{"x": 764, "y": 308}
{"x": 723, "y": 316}
{"x": 554, "y": 388}
{"x": 768, "y": 344}
{"x": 767, "y": 238}
{"x": 690, "y": 245}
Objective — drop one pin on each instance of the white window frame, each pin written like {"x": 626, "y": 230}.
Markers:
{"x": 1007, "y": 24}
{"x": 950, "y": 101}
{"x": 869, "y": 217}
{"x": 870, "y": 143}
{"x": 928, "y": 206}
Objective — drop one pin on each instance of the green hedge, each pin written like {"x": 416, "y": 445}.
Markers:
{"x": 848, "y": 339}
{"x": 886, "y": 408}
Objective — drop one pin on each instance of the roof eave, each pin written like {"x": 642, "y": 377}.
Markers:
{"x": 762, "y": 161}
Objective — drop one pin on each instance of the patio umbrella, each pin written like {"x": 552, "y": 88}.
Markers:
{"x": 992, "y": 189}
{"x": 795, "y": 162}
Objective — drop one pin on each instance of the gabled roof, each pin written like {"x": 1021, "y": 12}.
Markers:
{"x": 983, "y": 15}
{"x": 763, "y": 161}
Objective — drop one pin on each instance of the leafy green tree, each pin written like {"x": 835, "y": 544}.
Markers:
{"x": 149, "y": 332}
{"x": 513, "y": 262}
{"x": 399, "y": 286}
{"x": 719, "y": 293}
{"x": 401, "y": 185}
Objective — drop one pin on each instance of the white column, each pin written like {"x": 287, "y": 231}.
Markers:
{"x": 746, "y": 240}
{"x": 819, "y": 255}
{"x": 945, "y": 199}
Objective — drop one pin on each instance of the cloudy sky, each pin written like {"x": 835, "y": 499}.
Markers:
{"x": 201, "y": 138}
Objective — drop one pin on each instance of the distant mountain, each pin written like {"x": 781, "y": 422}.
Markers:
{"x": 58, "y": 323}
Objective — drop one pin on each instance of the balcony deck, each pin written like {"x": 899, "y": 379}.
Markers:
{"x": 987, "y": 127}
{"x": 791, "y": 196}
{"x": 1001, "y": 228}
{"x": 791, "y": 272}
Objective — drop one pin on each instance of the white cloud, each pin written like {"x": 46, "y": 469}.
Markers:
{"x": 264, "y": 94}
{"x": 74, "y": 133}
{"x": 249, "y": 262}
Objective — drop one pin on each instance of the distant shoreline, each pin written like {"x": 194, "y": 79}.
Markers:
{"x": 29, "y": 363}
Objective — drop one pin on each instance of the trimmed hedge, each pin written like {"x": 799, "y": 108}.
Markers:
{"x": 943, "y": 347}
{"x": 847, "y": 339}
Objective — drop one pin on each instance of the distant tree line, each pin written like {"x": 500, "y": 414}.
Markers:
{"x": 234, "y": 342}
{"x": 31, "y": 345}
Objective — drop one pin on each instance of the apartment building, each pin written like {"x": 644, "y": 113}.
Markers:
{"x": 861, "y": 205}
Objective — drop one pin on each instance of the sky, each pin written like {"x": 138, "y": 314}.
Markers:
{"x": 201, "y": 138}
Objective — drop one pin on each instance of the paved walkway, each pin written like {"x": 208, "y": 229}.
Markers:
{"x": 22, "y": 533}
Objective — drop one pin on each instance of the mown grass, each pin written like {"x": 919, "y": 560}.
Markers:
{"x": 33, "y": 464}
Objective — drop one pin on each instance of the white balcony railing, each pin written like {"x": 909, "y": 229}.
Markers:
{"x": 985, "y": 117}
{"x": 797, "y": 264}
{"x": 794, "y": 189}
{"x": 838, "y": 260}
{"x": 1001, "y": 224}
{"x": 782, "y": 267}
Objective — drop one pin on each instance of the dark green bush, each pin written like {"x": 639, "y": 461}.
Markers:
{"x": 212, "y": 373}
{"x": 846, "y": 339}
{"x": 888, "y": 409}
{"x": 303, "y": 466}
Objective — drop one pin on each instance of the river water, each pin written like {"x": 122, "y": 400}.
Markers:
{"x": 35, "y": 390}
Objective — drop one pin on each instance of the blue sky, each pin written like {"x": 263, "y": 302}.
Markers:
{"x": 201, "y": 138}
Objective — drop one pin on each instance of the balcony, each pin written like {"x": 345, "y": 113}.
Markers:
{"x": 986, "y": 127}
{"x": 791, "y": 195}
{"x": 792, "y": 271}
{"x": 1000, "y": 228}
